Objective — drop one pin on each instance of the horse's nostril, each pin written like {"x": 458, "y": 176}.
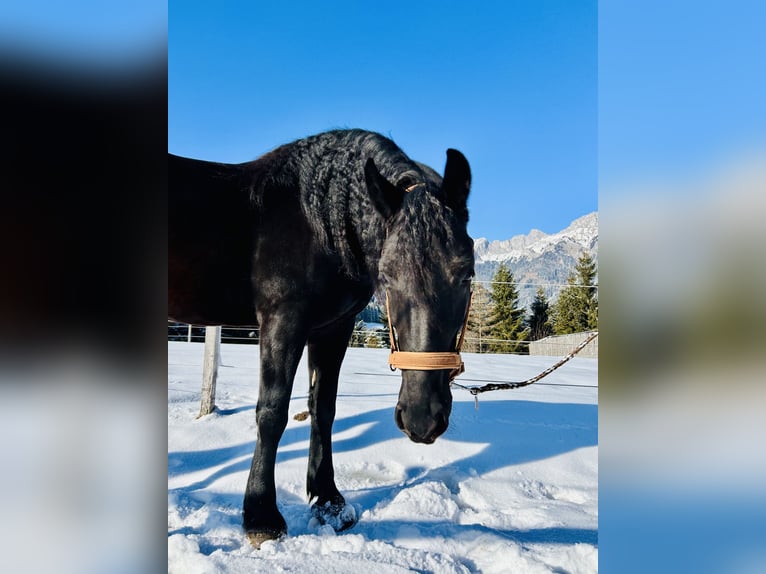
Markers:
{"x": 398, "y": 417}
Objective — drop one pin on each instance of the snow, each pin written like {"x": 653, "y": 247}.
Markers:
{"x": 510, "y": 487}
{"x": 582, "y": 233}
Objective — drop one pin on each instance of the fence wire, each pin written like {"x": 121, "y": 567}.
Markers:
{"x": 378, "y": 337}
{"x": 367, "y": 338}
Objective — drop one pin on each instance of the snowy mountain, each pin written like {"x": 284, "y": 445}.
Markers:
{"x": 539, "y": 258}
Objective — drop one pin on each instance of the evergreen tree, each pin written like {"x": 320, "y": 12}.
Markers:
{"x": 370, "y": 314}
{"x": 568, "y": 311}
{"x": 576, "y": 309}
{"x": 478, "y": 320}
{"x": 383, "y": 338}
{"x": 538, "y": 322}
{"x": 359, "y": 335}
{"x": 506, "y": 323}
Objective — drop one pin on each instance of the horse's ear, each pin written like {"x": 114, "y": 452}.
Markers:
{"x": 456, "y": 182}
{"x": 386, "y": 197}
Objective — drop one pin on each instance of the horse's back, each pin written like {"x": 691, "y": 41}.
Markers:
{"x": 274, "y": 234}
{"x": 211, "y": 226}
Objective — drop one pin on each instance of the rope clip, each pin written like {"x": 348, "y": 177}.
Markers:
{"x": 475, "y": 393}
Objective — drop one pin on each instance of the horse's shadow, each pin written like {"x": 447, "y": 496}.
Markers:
{"x": 512, "y": 432}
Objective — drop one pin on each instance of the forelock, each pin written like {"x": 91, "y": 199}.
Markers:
{"x": 424, "y": 237}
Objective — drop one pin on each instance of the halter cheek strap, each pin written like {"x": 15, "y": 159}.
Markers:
{"x": 427, "y": 361}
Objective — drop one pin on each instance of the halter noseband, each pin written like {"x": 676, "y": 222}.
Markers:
{"x": 424, "y": 360}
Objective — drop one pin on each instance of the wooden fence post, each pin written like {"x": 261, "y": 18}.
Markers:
{"x": 210, "y": 369}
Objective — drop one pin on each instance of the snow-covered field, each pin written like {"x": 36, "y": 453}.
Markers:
{"x": 510, "y": 487}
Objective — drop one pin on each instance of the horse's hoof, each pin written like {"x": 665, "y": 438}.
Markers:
{"x": 340, "y": 516}
{"x": 257, "y": 538}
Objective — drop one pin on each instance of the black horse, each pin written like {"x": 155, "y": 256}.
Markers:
{"x": 297, "y": 242}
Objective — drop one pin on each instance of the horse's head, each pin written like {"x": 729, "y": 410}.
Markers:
{"x": 426, "y": 268}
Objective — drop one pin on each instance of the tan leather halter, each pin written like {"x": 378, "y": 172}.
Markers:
{"x": 424, "y": 360}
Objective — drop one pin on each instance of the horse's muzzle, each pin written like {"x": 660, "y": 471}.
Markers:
{"x": 434, "y": 427}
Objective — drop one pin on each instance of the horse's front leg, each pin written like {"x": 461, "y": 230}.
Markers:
{"x": 326, "y": 352}
{"x": 282, "y": 342}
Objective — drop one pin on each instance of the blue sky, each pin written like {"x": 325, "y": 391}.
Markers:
{"x": 514, "y": 84}
{"x": 681, "y": 88}
{"x": 511, "y": 84}
{"x": 114, "y": 33}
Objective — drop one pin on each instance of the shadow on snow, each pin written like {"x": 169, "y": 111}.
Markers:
{"x": 512, "y": 431}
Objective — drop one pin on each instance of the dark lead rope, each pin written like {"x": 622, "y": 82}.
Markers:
{"x": 517, "y": 385}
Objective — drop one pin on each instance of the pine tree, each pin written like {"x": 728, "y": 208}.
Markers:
{"x": 359, "y": 335}
{"x": 576, "y": 309}
{"x": 506, "y": 323}
{"x": 478, "y": 320}
{"x": 568, "y": 311}
{"x": 538, "y": 322}
{"x": 383, "y": 338}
